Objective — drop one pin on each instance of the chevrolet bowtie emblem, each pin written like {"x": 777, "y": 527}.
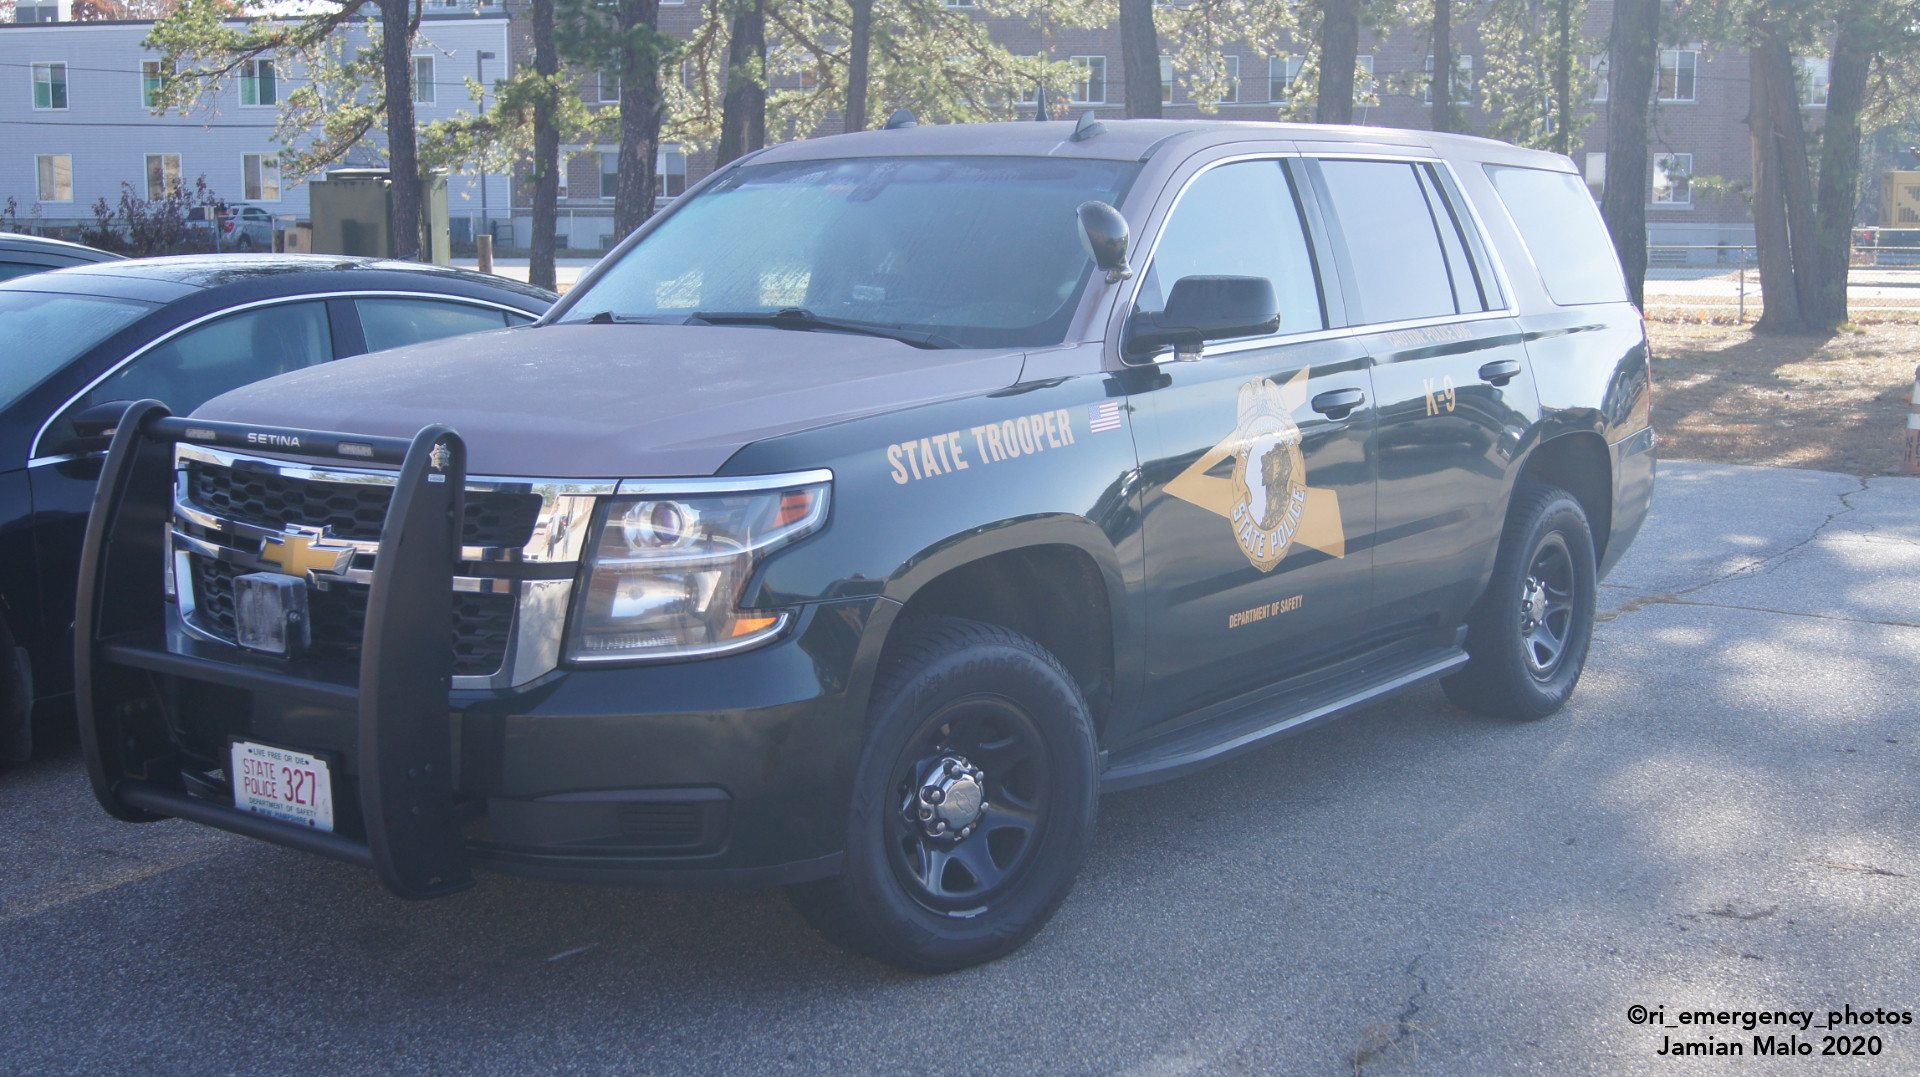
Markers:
{"x": 303, "y": 552}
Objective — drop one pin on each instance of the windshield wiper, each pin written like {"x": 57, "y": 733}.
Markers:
{"x": 801, "y": 318}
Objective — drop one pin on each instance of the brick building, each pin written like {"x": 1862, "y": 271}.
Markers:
{"x": 1701, "y": 156}
{"x": 1698, "y": 128}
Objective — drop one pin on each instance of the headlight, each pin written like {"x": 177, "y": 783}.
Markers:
{"x": 665, "y": 573}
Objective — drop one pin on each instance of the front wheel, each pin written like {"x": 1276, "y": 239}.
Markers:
{"x": 972, "y": 806}
{"x": 1527, "y": 637}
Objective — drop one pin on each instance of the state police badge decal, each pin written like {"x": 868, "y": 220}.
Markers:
{"x": 1265, "y": 498}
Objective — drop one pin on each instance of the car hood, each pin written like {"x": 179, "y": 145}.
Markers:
{"x": 615, "y": 401}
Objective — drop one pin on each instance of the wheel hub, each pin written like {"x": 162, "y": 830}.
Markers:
{"x": 952, "y": 795}
{"x": 1533, "y": 603}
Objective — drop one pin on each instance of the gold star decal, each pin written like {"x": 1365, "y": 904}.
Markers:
{"x": 1266, "y": 500}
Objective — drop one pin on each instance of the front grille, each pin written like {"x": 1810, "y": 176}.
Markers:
{"x": 482, "y": 623}
{"x": 349, "y": 510}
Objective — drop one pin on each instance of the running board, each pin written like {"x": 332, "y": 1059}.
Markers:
{"x": 1262, "y": 721}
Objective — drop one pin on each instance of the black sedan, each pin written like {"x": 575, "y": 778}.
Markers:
{"x": 179, "y": 330}
{"x": 23, "y": 254}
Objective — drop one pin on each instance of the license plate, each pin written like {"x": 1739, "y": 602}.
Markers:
{"x": 287, "y": 785}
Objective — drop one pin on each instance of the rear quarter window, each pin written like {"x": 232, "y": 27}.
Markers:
{"x": 1563, "y": 232}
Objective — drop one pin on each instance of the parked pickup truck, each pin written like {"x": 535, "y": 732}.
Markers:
{"x": 863, "y": 517}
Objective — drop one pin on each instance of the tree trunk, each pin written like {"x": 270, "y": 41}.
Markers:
{"x": 1442, "y": 82}
{"x": 1563, "y": 45}
{"x": 1633, "y": 58}
{"x": 858, "y": 48}
{"x": 403, "y": 162}
{"x": 743, "y": 112}
{"x": 1840, "y": 164}
{"x": 546, "y": 154}
{"x": 1339, "y": 47}
{"x": 639, "y": 115}
{"x": 1140, "y": 58}
{"x": 1780, "y": 312}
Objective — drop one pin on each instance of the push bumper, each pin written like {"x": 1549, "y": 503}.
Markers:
{"x": 724, "y": 772}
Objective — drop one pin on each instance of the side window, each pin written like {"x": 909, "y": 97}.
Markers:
{"x": 1403, "y": 241}
{"x": 224, "y": 354}
{"x": 1241, "y": 220}
{"x": 1563, "y": 231}
{"x": 392, "y": 323}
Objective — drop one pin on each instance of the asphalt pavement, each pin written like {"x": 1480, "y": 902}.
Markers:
{"x": 1723, "y": 819}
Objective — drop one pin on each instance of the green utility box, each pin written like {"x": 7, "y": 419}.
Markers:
{"x": 352, "y": 212}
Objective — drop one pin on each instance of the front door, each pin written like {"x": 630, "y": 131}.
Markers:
{"x": 1257, "y": 497}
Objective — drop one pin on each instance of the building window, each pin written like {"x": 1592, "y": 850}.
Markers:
{"x": 1281, "y": 73}
{"x": 609, "y": 86}
{"x": 1677, "y": 70}
{"x": 49, "y": 85}
{"x": 1460, "y": 88}
{"x": 56, "y": 177}
{"x": 163, "y": 175}
{"x": 1673, "y": 179}
{"x": 258, "y": 83}
{"x": 1092, "y": 87}
{"x": 1813, "y": 79}
{"x": 1362, "y": 77}
{"x": 609, "y": 174}
{"x": 670, "y": 171}
{"x": 36, "y": 13}
{"x": 959, "y": 3}
{"x": 423, "y": 80}
{"x": 260, "y": 177}
{"x": 1602, "y": 66}
{"x": 1597, "y": 174}
{"x": 1230, "y": 94}
{"x": 1166, "y": 79}
{"x": 154, "y": 76}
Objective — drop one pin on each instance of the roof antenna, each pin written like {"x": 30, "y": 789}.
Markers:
{"x": 902, "y": 118}
{"x": 1041, "y": 110}
{"x": 1088, "y": 127}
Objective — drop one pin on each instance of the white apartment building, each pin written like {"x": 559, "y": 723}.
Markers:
{"x": 75, "y": 106}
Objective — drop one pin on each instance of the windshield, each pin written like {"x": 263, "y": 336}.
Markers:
{"x": 974, "y": 251}
{"x": 40, "y": 332}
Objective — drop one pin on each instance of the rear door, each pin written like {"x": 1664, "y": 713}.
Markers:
{"x": 1256, "y": 507}
{"x": 1454, "y": 390}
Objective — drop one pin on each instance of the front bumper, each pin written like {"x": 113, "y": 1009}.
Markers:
{"x": 724, "y": 771}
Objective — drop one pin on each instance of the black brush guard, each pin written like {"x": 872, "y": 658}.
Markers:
{"x": 122, "y": 663}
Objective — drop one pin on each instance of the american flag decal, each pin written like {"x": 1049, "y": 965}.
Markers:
{"x": 1103, "y": 417}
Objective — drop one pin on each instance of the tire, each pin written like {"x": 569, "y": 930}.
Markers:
{"x": 16, "y": 702}
{"x": 966, "y": 713}
{"x": 1527, "y": 637}
{"x": 244, "y": 243}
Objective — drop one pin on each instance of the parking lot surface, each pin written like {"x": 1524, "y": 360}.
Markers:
{"x": 1723, "y": 819}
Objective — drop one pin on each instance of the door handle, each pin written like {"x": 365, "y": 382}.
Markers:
{"x": 1500, "y": 371}
{"x": 1338, "y": 403}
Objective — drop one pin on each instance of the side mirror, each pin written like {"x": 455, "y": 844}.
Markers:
{"x": 1200, "y": 309}
{"x": 1103, "y": 232}
{"x": 93, "y": 428}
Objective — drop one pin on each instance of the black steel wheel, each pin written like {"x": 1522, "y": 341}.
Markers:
{"x": 973, "y": 802}
{"x": 1527, "y": 637}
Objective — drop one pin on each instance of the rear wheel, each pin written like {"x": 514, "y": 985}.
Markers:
{"x": 972, "y": 806}
{"x": 16, "y": 702}
{"x": 1527, "y": 637}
